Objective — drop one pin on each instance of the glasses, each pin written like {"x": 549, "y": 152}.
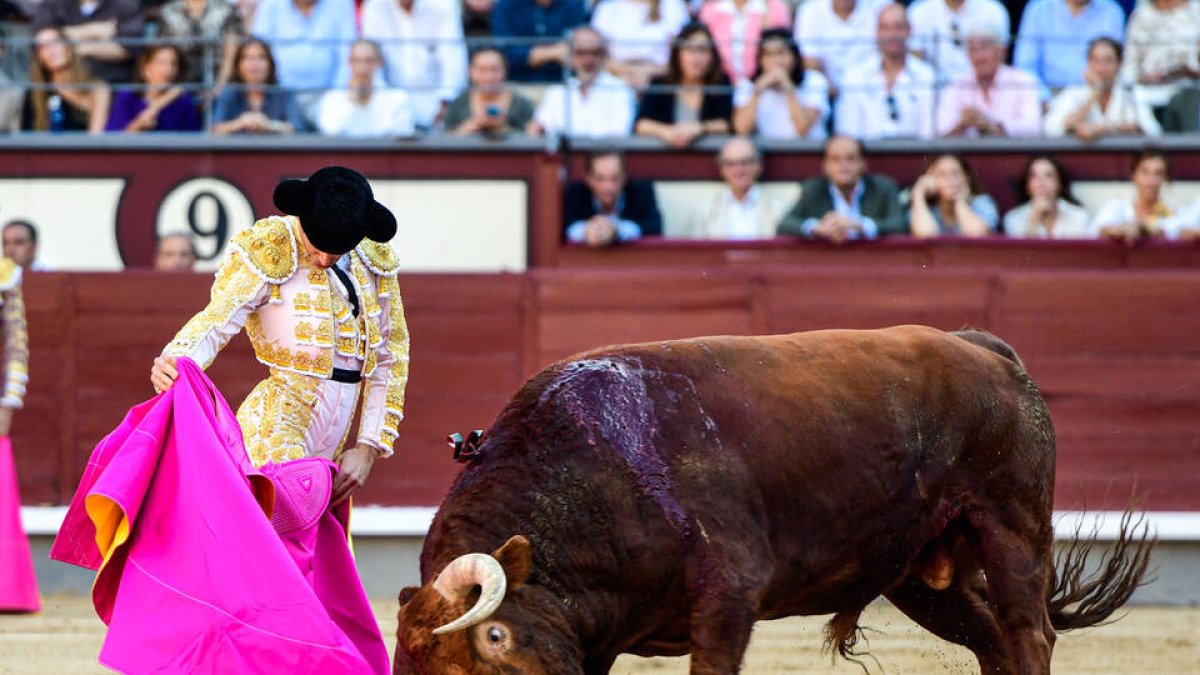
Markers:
{"x": 893, "y": 110}
{"x": 955, "y": 34}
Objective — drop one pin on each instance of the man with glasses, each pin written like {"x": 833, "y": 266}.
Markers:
{"x": 890, "y": 96}
{"x": 740, "y": 209}
{"x": 594, "y": 103}
{"x": 847, "y": 202}
{"x": 938, "y": 28}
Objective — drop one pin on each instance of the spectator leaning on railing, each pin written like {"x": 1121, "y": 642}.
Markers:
{"x": 837, "y": 35}
{"x": 489, "y": 106}
{"x": 948, "y": 199}
{"x": 593, "y": 103}
{"x": 1104, "y": 106}
{"x": 607, "y": 207}
{"x": 994, "y": 99}
{"x": 940, "y": 32}
{"x": 424, "y": 50}
{"x": 175, "y": 252}
{"x": 253, "y": 103}
{"x": 363, "y": 109}
{"x": 62, "y": 95}
{"x": 736, "y": 25}
{"x": 531, "y": 32}
{"x": 1047, "y": 208}
{"x": 739, "y": 209}
{"x": 639, "y": 35}
{"x": 1052, "y": 42}
{"x": 784, "y": 99}
{"x": 890, "y": 96}
{"x": 846, "y": 202}
{"x": 693, "y": 99}
{"x": 161, "y": 104}
{"x": 102, "y": 31}
{"x": 1145, "y": 215}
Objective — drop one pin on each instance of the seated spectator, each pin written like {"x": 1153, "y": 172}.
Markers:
{"x": 1103, "y": 106}
{"x": 1144, "y": 216}
{"x": 62, "y": 95}
{"x": 532, "y": 33}
{"x": 693, "y": 99}
{"x": 837, "y": 35}
{"x": 20, "y": 244}
{"x": 488, "y": 107}
{"x": 175, "y": 252}
{"x": 740, "y": 210}
{"x": 99, "y": 29}
{"x": 891, "y": 95}
{"x": 208, "y": 32}
{"x": 253, "y": 103}
{"x": 994, "y": 99}
{"x": 846, "y": 202}
{"x": 11, "y": 95}
{"x": 593, "y": 103}
{"x": 606, "y": 208}
{"x": 424, "y": 50}
{"x": 639, "y": 34}
{"x": 363, "y": 110}
{"x": 948, "y": 199}
{"x": 939, "y": 32}
{"x": 1047, "y": 208}
{"x": 1056, "y": 35}
{"x": 783, "y": 99}
{"x": 162, "y": 105}
{"x": 736, "y": 27}
{"x": 310, "y": 40}
{"x": 1160, "y": 48}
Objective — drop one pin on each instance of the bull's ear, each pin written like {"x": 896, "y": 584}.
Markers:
{"x": 407, "y": 593}
{"x": 516, "y": 557}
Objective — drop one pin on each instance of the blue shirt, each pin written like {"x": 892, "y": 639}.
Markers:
{"x": 527, "y": 23}
{"x": 278, "y": 105}
{"x": 1052, "y": 44}
{"x": 311, "y": 52}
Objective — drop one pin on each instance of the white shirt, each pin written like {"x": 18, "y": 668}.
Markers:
{"x": 741, "y": 218}
{"x": 607, "y": 110}
{"x": 839, "y": 44}
{"x": 865, "y": 112}
{"x": 772, "y": 118}
{"x": 1125, "y": 106}
{"x": 1071, "y": 223}
{"x": 423, "y": 52}
{"x": 386, "y": 114}
{"x": 1120, "y": 212}
{"x": 630, "y": 34}
{"x": 942, "y": 34}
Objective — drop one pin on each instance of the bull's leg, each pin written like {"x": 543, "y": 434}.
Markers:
{"x": 723, "y": 591}
{"x": 1018, "y": 577}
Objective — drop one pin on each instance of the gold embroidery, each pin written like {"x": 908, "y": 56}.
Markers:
{"x": 316, "y": 276}
{"x": 304, "y": 332}
{"x": 270, "y": 248}
{"x": 322, "y": 304}
{"x": 380, "y": 257}
{"x": 324, "y": 337}
{"x": 236, "y": 284}
{"x": 276, "y": 415}
{"x": 303, "y": 303}
{"x": 10, "y": 274}
{"x": 16, "y": 343}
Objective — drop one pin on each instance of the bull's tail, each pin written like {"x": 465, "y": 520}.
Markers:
{"x": 1079, "y": 599}
{"x": 982, "y": 338}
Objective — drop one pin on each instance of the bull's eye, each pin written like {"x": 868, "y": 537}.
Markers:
{"x": 495, "y": 635}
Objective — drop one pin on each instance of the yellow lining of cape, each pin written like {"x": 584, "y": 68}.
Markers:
{"x": 112, "y": 526}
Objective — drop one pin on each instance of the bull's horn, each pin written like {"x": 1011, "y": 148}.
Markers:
{"x": 460, "y": 576}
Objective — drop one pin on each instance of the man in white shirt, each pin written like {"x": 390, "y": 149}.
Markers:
{"x": 424, "y": 51}
{"x": 740, "y": 210}
{"x": 890, "y": 96}
{"x": 939, "y": 31}
{"x": 835, "y": 35}
{"x": 363, "y": 110}
{"x": 593, "y": 103}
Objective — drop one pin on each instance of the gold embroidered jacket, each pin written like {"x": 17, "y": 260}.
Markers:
{"x": 16, "y": 335}
{"x": 296, "y": 322}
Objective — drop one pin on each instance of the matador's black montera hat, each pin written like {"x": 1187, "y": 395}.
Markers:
{"x": 336, "y": 209}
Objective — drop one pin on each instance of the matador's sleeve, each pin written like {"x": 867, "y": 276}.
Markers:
{"x": 383, "y": 398}
{"x": 16, "y": 336}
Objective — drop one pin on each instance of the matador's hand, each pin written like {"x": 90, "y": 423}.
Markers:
{"x": 354, "y": 467}
{"x": 163, "y": 373}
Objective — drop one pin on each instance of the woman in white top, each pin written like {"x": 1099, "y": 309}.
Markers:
{"x": 363, "y": 109}
{"x": 1144, "y": 216}
{"x": 1048, "y": 210}
{"x": 782, "y": 99}
{"x": 639, "y": 34}
{"x": 1160, "y": 47}
{"x": 1104, "y": 105}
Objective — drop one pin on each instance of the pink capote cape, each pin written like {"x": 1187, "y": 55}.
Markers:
{"x": 193, "y": 578}
{"x": 18, "y": 583}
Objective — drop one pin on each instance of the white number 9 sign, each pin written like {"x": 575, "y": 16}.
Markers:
{"x": 209, "y": 210}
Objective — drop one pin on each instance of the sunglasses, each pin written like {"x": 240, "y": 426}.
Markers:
{"x": 893, "y": 110}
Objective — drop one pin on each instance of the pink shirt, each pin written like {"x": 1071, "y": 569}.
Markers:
{"x": 1012, "y": 101}
{"x": 737, "y": 33}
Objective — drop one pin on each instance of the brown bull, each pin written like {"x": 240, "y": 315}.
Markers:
{"x": 658, "y": 499}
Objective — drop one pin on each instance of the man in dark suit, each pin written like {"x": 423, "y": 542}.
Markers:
{"x": 606, "y": 208}
{"x": 846, "y": 203}
{"x": 1182, "y": 114}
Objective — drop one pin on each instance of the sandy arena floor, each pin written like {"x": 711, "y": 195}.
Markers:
{"x": 66, "y": 636}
